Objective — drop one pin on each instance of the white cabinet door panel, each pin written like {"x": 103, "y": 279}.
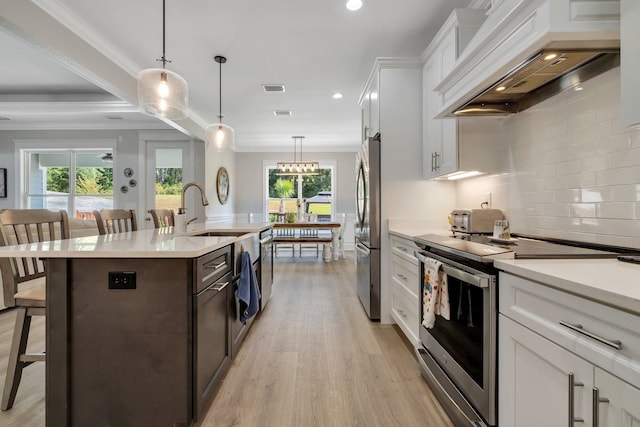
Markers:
{"x": 621, "y": 407}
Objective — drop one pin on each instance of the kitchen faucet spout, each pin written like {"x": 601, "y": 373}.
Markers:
{"x": 182, "y": 210}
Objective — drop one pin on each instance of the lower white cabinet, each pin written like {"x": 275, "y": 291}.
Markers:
{"x": 584, "y": 374}
{"x": 539, "y": 382}
{"x": 405, "y": 287}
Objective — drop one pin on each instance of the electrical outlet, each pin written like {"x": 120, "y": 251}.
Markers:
{"x": 122, "y": 280}
{"x": 487, "y": 199}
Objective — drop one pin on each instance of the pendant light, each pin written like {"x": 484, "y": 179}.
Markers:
{"x": 162, "y": 92}
{"x": 298, "y": 167}
{"x": 218, "y": 135}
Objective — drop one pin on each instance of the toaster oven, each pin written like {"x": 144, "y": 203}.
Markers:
{"x": 474, "y": 221}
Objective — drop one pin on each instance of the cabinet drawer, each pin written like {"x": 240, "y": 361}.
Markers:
{"x": 587, "y": 328}
{"x": 404, "y": 248}
{"x": 405, "y": 312}
{"x": 405, "y": 273}
{"x": 212, "y": 266}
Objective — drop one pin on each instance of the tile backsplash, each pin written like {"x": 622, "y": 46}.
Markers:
{"x": 569, "y": 169}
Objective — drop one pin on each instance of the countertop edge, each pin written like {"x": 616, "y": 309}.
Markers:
{"x": 600, "y": 294}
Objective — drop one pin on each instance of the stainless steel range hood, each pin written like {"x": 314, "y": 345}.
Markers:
{"x": 556, "y": 68}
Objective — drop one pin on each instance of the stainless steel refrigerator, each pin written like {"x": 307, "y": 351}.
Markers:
{"x": 368, "y": 226}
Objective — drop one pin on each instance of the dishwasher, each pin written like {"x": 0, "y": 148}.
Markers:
{"x": 211, "y": 349}
{"x": 266, "y": 266}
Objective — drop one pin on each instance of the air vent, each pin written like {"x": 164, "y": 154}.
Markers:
{"x": 4, "y": 118}
{"x": 281, "y": 112}
{"x": 114, "y": 117}
{"x": 273, "y": 88}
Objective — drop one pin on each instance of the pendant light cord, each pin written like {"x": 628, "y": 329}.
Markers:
{"x": 163, "y": 59}
{"x": 220, "y": 86}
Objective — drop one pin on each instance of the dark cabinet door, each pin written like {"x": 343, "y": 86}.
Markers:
{"x": 238, "y": 329}
{"x": 211, "y": 347}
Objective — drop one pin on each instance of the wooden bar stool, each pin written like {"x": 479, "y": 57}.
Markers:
{"x": 24, "y": 283}
{"x": 162, "y": 217}
{"x": 113, "y": 221}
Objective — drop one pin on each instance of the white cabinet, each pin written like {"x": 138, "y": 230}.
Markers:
{"x": 629, "y": 62}
{"x": 537, "y": 378}
{"x": 618, "y": 402}
{"x": 453, "y": 145}
{"x": 569, "y": 355}
{"x": 370, "y": 107}
{"x": 405, "y": 272}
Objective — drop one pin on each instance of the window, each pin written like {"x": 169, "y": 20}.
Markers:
{"x": 313, "y": 192}
{"x": 77, "y": 181}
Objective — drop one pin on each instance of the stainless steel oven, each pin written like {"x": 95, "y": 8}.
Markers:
{"x": 458, "y": 355}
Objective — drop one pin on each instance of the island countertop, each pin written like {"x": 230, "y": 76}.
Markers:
{"x": 153, "y": 243}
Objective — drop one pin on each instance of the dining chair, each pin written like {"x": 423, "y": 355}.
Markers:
{"x": 113, "y": 221}
{"x": 285, "y": 233}
{"x": 162, "y": 217}
{"x": 24, "y": 283}
{"x": 309, "y": 234}
{"x": 342, "y": 219}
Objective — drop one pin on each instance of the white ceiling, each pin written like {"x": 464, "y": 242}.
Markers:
{"x": 62, "y": 60}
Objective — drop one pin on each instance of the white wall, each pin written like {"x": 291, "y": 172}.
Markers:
{"x": 570, "y": 169}
{"x": 213, "y": 161}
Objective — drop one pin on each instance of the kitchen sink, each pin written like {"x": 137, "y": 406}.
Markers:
{"x": 231, "y": 233}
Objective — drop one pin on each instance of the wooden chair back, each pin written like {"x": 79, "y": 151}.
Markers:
{"x": 162, "y": 217}
{"x": 113, "y": 221}
{"x": 20, "y": 226}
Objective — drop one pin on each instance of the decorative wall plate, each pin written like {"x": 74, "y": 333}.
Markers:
{"x": 222, "y": 185}
{"x": 133, "y": 183}
{"x": 124, "y": 189}
{"x": 128, "y": 172}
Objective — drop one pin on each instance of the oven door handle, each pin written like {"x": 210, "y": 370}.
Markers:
{"x": 472, "y": 279}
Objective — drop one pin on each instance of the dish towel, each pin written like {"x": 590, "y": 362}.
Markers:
{"x": 248, "y": 292}
{"x": 435, "y": 293}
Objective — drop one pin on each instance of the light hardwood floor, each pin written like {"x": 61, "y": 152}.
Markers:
{"x": 312, "y": 358}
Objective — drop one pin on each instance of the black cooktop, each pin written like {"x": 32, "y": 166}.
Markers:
{"x": 484, "y": 248}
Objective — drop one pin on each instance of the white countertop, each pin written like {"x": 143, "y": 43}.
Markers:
{"x": 607, "y": 281}
{"x": 154, "y": 243}
{"x": 410, "y": 228}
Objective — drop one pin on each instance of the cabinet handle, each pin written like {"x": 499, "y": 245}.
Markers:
{"x": 433, "y": 165}
{"x": 402, "y": 248}
{"x": 617, "y": 344}
{"x": 402, "y": 276}
{"x": 573, "y": 384}
{"x": 436, "y": 155}
{"x": 597, "y": 400}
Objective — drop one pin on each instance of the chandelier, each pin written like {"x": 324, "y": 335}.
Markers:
{"x": 298, "y": 167}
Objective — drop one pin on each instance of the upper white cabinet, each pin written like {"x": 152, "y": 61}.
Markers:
{"x": 452, "y": 145}
{"x": 629, "y": 61}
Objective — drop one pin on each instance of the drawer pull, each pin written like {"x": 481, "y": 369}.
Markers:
{"x": 219, "y": 286}
{"x": 402, "y": 248}
{"x": 573, "y": 384}
{"x": 617, "y": 344}
{"x": 402, "y": 276}
{"x": 597, "y": 400}
{"x": 216, "y": 267}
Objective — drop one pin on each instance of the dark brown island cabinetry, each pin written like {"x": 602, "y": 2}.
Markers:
{"x": 139, "y": 341}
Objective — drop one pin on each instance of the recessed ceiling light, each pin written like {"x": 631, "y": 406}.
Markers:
{"x": 500, "y": 88}
{"x": 354, "y": 4}
{"x": 273, "y": 88}
{"x": 281, "y": 112}
{"x": 337, "y": 95}
{"x": 550, "y": 56}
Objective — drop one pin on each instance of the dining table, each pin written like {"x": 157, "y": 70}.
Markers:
{"x": 334, "y": 227}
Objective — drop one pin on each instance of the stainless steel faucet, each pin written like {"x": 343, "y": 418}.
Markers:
{"x": 182, "y": 210}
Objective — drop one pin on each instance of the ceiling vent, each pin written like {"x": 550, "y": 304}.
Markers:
{"x": 4, "y": 118}
{"x": 273, "y": 88}
{"x": 281, "y": 112}
{"x": 114, "y": 117}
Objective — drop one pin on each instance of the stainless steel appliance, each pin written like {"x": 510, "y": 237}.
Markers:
{"x": 266, "y": 266}
{"x": 458, "y": 357}
{"x": 474, "y": 220}
{"x": 368, "y": 226}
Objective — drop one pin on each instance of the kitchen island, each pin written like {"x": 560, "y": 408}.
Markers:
{"x": 140, "y": 326}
